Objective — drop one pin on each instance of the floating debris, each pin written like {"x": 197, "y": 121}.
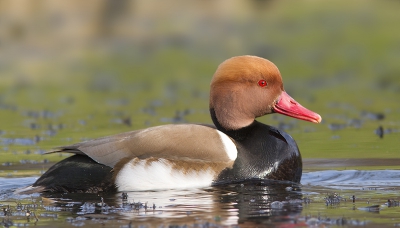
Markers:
{"x": 124, "y": 196}
{"x": 7, "y": 211}
{"x": 392, "y": 203}
{"x": 379, "y": 131}
{"x": 34, "y": 126}
{"x": 332, "y": 199}
{"x": 87, "y": 208}
{"x": 6, "y": 163}
{"x": 125, "y": 121}
{"x": 307, "y": 200}
{"x": 372, "y": 116}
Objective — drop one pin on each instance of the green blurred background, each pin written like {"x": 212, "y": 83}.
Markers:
{"x": 75, "y": 70}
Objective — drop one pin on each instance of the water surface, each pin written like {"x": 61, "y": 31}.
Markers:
{"x": 324, "y": 198}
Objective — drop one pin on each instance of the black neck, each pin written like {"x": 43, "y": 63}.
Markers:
{"x": 239, "y": 134}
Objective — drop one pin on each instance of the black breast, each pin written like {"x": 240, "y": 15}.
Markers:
{"x": 264, "y": 152}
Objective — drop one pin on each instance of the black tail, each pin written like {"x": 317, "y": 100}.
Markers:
{"x": 76, "y": 174}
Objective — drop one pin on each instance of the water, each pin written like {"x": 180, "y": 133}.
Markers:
{"x": 324, "y": 198}
{"x": 353, "y": 178}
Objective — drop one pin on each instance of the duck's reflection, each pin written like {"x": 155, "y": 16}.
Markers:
{"x": 263, "y": 202}
{"x": 247, "y": 203}
{"x": 243, "y": 203}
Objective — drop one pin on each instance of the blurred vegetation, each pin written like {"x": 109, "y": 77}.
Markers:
{"x": 72, "y": 70}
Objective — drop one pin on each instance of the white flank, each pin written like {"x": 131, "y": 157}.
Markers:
{"x": 156, "y": 175}
{"x": 230, "y": 147}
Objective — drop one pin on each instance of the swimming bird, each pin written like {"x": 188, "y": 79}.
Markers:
{"x": 236, "y": 148}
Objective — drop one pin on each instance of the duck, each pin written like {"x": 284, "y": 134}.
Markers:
{"x": 235, "y": 148}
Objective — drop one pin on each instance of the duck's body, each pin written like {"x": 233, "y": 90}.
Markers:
{"x": 191, "y": 155}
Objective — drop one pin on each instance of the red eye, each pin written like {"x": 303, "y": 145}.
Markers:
{"x": 262, "y": 83}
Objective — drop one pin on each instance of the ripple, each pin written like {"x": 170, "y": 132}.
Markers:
{"x": 12, "y": 183}
{"x": 353, "y": 178}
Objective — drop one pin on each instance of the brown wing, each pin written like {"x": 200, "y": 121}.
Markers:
{"x": 180, "y": 141}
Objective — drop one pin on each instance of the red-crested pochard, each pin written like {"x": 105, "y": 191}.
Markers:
{"x": 237, "y": 148}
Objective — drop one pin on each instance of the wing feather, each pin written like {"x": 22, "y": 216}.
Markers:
{"x": 178, "y": 141}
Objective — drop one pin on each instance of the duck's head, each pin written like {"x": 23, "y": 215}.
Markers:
{"x": 246, "y": 87}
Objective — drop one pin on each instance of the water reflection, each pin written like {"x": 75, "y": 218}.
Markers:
{"x": 263, "y": 202}
{"x": 253, "y": 202}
